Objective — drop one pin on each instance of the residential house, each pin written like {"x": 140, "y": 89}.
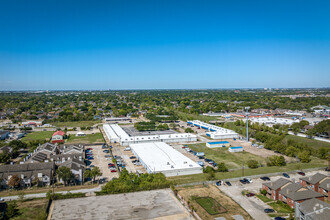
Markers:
{"x": 61, "y": 158}
{"x": 6, "y": 150}
{"x": 58, "y": 137}
{"x": 28, "y": 173}
{"x": 42, "y": 153}
{"x": 312, "y": 209}
{"x": 71, "y": 149}
{"x": 294, "y": 193}
{"x": 313, "y": 182}
{"x": 77, "y": 167}
{"x": 273, "y": 188}
{"x": 324, "y": 188}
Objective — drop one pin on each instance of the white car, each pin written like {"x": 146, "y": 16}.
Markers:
{"x": 249, "y": 179}
{"x": 2, "y": 199}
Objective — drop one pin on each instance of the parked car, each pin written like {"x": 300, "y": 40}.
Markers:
{"x": 200, "y": 157}
{"x": 301, "y": 173}
{"x": 250, "y": 194}
{"x": 132, "y": 157}
{"x": 2, "y": 199}
{"x": 269, "y": 210}
{"x": 228, "y": 183}
{"x": 249, "y": 180}
{"x": 279, "y": 218}
{"x": 244, "y": 181}
{"x": 286, "y": 175}
{"x": 127, "y": 149}
{"x": 106, "y": 151}
{"x": 92, "y": 166}
{"x": 265, "y": 178}
{"x": 218, "y": 183}
{"x": 113, "y": 171}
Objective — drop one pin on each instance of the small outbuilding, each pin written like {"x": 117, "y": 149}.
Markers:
{"x": 235, "y": 149}
{"x": 218, "y": 144}
{"x": 79, "y": 134}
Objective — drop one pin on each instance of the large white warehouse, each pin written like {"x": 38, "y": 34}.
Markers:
{"x": 159, "y": 157}
{"x": 270, "y": 121}
{"x": 116, "y": 134}
{"x": 215, "y": 132}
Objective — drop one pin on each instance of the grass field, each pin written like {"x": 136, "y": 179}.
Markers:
{"x": 249, "y": 172}
{"x": 38, "y": 135}
{"x": 88, "y": 139}
{"x": 264, "y": 198}
{"x": 232, "y": 160}
{"x": 31, "y": 209}
{"x": 186, "y": 116}
{"x": 210, "y": 205}
{"x": 281, "y": 208}
{"x": 310, "y": 142}
{"x": 75, "y": 123}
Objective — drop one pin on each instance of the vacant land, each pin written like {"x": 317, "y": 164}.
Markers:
{"x": 190, "y": 194}
{"x": 210, "y": 205}
{"x": 75, "y": 123}
{"x": 31, "y": 209}
{"x": 310, "y": 142}
{"x": 154, "y": 204}
{"x": 186, "y": 117}
{"x": 221, "y": 154}
{"x": 38, "y": 135}
{"x": 88, "y": 139}
{"x": 249, "y": 172}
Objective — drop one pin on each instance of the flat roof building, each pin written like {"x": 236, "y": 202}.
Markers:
{"x": 159, "y": 157}
{"x": 215, "y": 132}
{"x": 270, "y": 121}
{"x": 218, "y": 144}
{"x": 116, "y": 134}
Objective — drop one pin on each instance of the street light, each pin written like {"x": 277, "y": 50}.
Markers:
{"x": 247, "y": 122}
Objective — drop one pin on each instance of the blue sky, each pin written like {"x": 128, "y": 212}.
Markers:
{"x": 80, "y": 44}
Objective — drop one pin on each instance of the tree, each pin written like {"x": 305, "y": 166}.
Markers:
{"x": 14, "y": 181}
{"x": 291, "y": 151}
{"x": 263, "y": 192}
{"x": 65, "y": 174}
{"x": 189, "y": 130}
{"x": 275, "y": 161}
{"x": 324, "y": 153}
{"x": 11, "y": 210}
{"x": 304, "y": 157}
{"x": 222, "y": 167}
{"x": 95, "y": 172}
{"x": 253, "y": 164}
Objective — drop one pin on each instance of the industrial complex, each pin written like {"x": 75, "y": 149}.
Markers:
{"x": 215, "y": 132}
{"x": 270, "y": 121}
{"x": 116, "y": 134}
{"x": 159, "y": 157}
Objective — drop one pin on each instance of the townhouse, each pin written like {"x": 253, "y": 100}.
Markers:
{"x": 312, "y": 209}
{"x": 318, "y": 182}
{"x": 273, "y": 188}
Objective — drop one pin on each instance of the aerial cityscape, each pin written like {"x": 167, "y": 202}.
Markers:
{"x": 206, "y": 110}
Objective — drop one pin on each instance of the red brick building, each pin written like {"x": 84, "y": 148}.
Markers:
{"x": 273, "y": 188}
{"x": 319, "y": 183}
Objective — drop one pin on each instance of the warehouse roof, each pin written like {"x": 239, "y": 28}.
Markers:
{"x": 219, "y": 142}
{"x": 159, "y": 156}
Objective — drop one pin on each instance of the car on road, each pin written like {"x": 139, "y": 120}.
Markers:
{"x": 228, "y": 183}
{"x": 286, "y": 175}
{"x": 269, "y": 210}
{"x": 250, "y": 194}
{"x": 301, "y": 173}
{"x": 265, "y": 178}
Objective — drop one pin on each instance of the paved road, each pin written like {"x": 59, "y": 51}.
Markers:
{"x": 305, "y": 136}
{"x": 41, "y": 195}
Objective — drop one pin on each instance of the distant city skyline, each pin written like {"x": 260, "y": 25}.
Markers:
{"x": 101, "y": 45}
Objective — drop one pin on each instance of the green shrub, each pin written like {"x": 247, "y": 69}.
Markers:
{"x": 253, "y": 164}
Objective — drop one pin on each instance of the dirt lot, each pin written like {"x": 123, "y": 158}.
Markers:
{"x": 253, "y": 150}
{"x": 155, "y": 204}
{"x": 212, "y": 191}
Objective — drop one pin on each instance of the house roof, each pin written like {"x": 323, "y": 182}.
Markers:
{"x": 3, "y": 132}
{"x": 315, "y": 178}
{"x": 74, "y": 164}
{"x": 277, "y": 184}
{"x": 301, "y": 195}
{"x": 325, "y": 184}
{"x": 59, "y": 133}
{"x": 315, "y": 209}
{"x": 292, "y": 187}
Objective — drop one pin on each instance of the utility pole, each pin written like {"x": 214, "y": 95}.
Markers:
{"x": 247, "y": 122}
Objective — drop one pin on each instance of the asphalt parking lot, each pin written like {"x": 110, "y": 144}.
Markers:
{"x": 101, "y": 161}
{"x": 253, "y": 205}
{"x": 154, "y": 204}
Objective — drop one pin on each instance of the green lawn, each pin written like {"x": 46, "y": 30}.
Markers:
{"x": 38, "y": 135}
{"x": 88, "y": 139}
{"x": 263, "y": 198}
{"x": 280, "y": 207}
{"x": 248, "y": 172}
{"x": 75, "y": 123}
{"x": 221, "y": 154}
{"x": 310, "y": 142}
{"x": 31, "y": 209}
{"x": 187, "y": 116}
{"x": 210, "y": 205}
